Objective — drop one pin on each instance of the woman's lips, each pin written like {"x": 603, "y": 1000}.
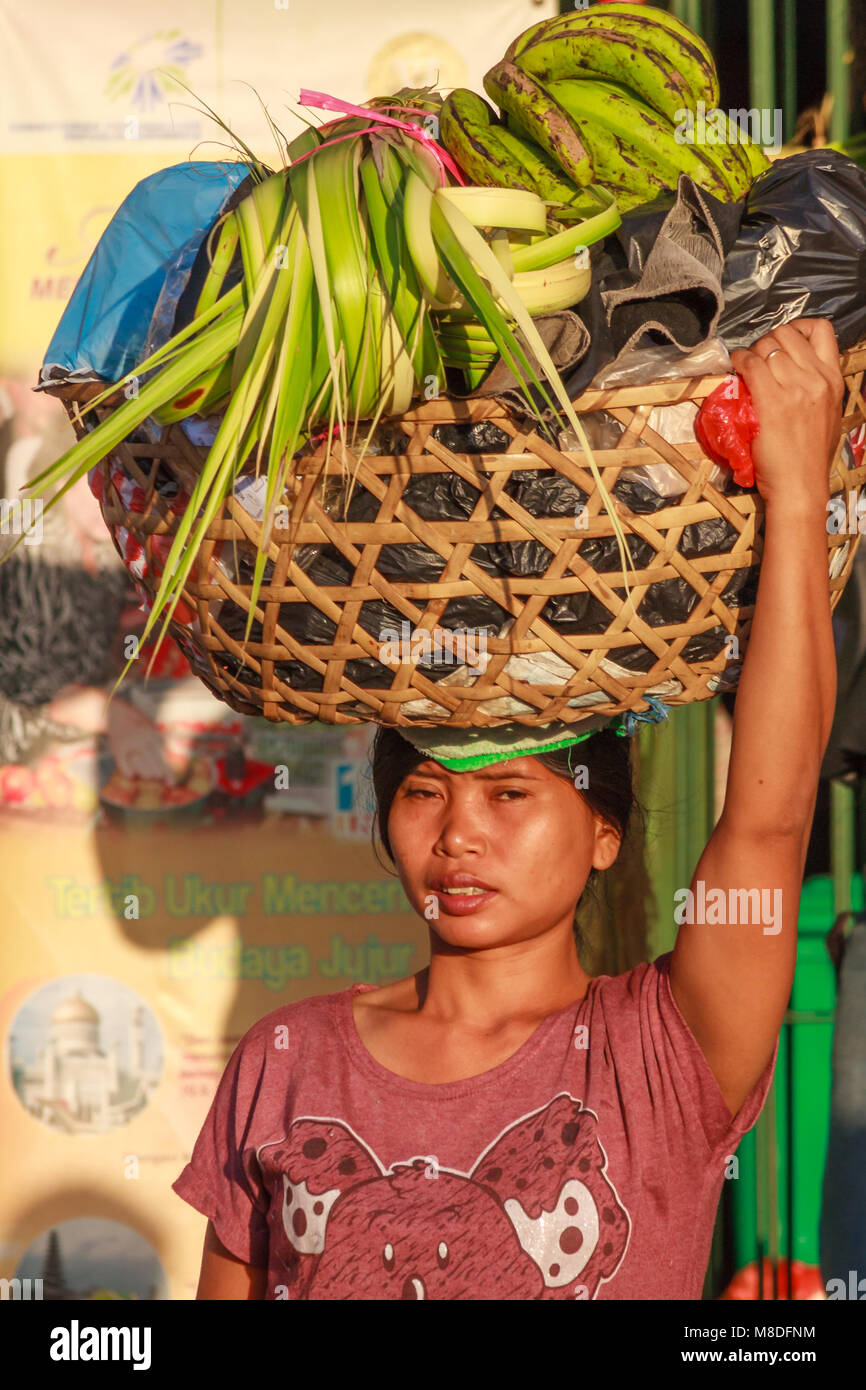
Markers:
{"x": 463, "y": 904}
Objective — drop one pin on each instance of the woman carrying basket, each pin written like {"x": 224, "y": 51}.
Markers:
{"x": 500, "y": 1125}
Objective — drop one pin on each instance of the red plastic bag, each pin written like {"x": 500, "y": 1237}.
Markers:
{"x": 725, "y": 426}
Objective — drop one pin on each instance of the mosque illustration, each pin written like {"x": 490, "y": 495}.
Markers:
{"x": 77, "y": 1084}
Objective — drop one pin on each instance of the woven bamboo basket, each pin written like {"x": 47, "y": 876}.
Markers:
{"x": 535, "y": 670}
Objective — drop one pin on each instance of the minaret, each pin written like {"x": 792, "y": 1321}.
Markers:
{"x": 49, "y": 1071}
{"x": 136, "y": 1042}
{"x": 53, "y": 1282}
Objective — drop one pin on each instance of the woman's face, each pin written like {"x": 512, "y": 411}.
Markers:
{"x": 523, "y": 831}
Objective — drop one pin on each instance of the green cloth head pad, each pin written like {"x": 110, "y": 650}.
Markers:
{"x": 464, "y": 750}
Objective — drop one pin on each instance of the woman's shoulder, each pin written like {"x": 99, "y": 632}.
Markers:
{"x": 298, "y": 1017}
{"x": 634, "y": 1003}
{"x": 630, "y": 984}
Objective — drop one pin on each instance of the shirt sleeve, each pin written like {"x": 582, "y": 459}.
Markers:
{"x": 680, "y": 1065}
{"x": 222, "y": 1179}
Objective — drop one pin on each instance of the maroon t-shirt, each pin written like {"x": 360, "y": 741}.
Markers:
{"x": 589, "y": 1164}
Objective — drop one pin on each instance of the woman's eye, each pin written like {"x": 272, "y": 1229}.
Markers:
{"x": 426, "y": 791}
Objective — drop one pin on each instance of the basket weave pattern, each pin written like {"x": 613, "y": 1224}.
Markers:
{"x": 248, "y": 677}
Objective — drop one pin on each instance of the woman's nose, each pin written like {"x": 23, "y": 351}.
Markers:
{"x": 459, "y": 828}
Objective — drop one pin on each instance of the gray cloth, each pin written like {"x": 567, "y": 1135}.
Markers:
{"x": 657, "y": 280}
{"x": 678, "y": 292}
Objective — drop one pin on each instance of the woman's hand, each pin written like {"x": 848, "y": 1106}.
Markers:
{"x": 797, "y": 388}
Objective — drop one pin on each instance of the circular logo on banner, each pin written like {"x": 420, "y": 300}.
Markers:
{"x": 415, "y": 60}
{"x": 84, "y": 1054}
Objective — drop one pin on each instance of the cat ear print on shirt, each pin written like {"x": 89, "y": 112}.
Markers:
{"x": 549, "y": 1172}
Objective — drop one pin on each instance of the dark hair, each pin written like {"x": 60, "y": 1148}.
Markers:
{"x": 606, "y": 756}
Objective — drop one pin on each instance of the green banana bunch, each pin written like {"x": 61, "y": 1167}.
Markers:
{"x": 532, "y": 114}
{"x": 600, "y": 96}
{"x": 625, "y": 180}
{"x": 724, "y": 156}
{"x": 494, "y": 156}
{"x": 750, "y": 153}
{"x": 629, "y": 141}
{"x": 645, "y": 48}
{"x": 736, "y": 157}
{"x": 607, "y": 54}
{"x": 470, "y": 131}
{"x": 569, "y": 203}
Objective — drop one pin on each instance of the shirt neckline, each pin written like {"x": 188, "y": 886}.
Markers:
{"x": 444, "y": 1090}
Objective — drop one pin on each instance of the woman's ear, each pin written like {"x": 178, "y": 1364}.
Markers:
{"x": 607, "y": 843}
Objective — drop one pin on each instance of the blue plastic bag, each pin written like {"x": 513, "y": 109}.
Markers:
{"x": 158, "y": 226}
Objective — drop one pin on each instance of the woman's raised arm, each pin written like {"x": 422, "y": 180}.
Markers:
{"x": 733, "y": 962}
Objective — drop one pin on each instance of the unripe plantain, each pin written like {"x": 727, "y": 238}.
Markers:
{"x": 756, "y": 158}
{"x": 724, "y": 159}
{"x": 468, "y": 132}
{"x": 628, "y": 198}
{"x": 642, "y": 134}
{"x": 731, "y": 159}
{"x": 538, "y": 30}
{"x": 648, "y": 27}
{"x": 570, "y": 204}
{"x": 533, "y": 113}
{"x": 610, "y": 54}
{"x": 618, "y": 168}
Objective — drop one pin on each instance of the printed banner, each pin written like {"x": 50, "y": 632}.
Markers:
{"x": 172, "y": 871}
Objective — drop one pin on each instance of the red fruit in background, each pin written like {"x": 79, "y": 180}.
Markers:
{"x": 806, "y": 1282}
{"x": 17, "y": 783}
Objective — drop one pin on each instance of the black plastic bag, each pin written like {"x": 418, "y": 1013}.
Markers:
{"x": 801, "y": 250}
{"x": 447, "y": 496}
{"x": 685, "y": 314}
